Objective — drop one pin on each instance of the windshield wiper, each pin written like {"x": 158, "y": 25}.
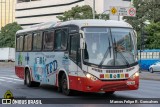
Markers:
{"x": 116, "y": 50}
{"x": 124, "y": 58}
{"x": 106, "y": 53}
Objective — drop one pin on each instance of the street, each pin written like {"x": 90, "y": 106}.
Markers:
{"x": 9, "y": 81}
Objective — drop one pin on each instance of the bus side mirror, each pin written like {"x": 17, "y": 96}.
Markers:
{"x": 82, "y": 43}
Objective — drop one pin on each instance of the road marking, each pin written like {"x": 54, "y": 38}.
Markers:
{"x": 11, "y": 78}
{"x": 14, "y": 76}
{"x": 7, "y": 81}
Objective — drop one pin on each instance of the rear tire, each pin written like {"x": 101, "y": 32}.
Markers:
{"x": 151, "y": 70}
{"x": 25, "y": 83}
{"x": 64, "y": 85}
{"x": 28, "y": 81}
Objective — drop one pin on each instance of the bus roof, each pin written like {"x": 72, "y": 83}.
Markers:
{"x": 79, "y": 23}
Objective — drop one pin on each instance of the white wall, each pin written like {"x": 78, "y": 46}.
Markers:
{"x": 41, "y": 11}
{"x": 41, "y": 3}
{"x": 100, "y": 7}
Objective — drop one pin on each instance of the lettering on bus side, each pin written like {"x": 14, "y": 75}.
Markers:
{"x": 51, "y": 67}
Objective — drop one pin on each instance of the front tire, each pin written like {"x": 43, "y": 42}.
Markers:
{"x": 151, "y": 70}
{"x": 64, "y": 86}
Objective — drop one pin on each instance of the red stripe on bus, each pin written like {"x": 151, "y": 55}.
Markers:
{"x": 19, "y": 72}
{"x": 87, "y": 85}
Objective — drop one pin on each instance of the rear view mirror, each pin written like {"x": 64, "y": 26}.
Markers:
{"x": 82, "y": 43}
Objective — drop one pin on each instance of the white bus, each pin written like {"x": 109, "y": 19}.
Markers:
{"x": 82, "y": 55}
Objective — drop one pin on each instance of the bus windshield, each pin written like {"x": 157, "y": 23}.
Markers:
{"x": 110, "y": 46}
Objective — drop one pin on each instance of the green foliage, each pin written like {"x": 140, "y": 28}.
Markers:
{"x": 102, "y": 16}
{"x": 153, "y": 38}
{"x": 146, "y": 10}
{"x": 7, "y": 34}
{"x": 77, "y": 12}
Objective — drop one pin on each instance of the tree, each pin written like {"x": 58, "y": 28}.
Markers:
{"x": 153, "y": 38}
{"x": 7, "y": 34}
{"x": 146, "y": 10}
{"x": 77, "y": 12}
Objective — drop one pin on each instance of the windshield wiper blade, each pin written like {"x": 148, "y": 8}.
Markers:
{"x": 115, "y": 48}
{"x": 106, "y": 53}
{"x": 124, "y": 58}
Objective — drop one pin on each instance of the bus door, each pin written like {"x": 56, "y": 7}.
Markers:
{"x": 75, "y": 57}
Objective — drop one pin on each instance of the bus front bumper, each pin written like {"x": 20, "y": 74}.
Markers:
{"x": 89, "y": 85}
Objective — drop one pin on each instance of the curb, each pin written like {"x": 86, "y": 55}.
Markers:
{"x": 150, "y": 79}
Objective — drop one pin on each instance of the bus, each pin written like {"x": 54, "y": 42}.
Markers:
{"x": 79, "y": 55}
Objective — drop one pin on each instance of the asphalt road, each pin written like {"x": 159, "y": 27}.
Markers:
{"x": 9, "y": 81}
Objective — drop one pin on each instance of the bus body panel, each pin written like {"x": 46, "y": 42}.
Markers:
{"x": 45, "y": 67}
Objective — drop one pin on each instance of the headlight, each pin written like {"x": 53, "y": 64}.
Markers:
{"x": 135, "y": 75}
{"x": 90, "y": 76}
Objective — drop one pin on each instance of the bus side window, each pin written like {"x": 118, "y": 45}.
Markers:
{"x": 61, "y": 36}
{"x": 37, "y": 41}
{"x": 21, "y": 44}
{"x": 17, "y": 44}
{"x": 28, "y": 42}
{"x": 74, "y": 48}
{"x": 25, "y": 43}
{"x": 48, "y": 40}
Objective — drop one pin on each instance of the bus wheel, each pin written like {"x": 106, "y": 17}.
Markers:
{"x": 64, "y": 85}
{"x": 30, "y": 83}
{"x": 25, "y": 80}
{"x": 28, "y": 79}
{"x": 109, "y": 93}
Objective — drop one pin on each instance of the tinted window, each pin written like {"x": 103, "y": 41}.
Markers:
{"x": 28, "y": 42}
{"x": 61, "y": 36}
{"x": 48, "y": 40}
{"x": 74, "y": 48}
{"x": 17, "y": 44}
{"x": 73, "y": 29}
{"x": 21, "y": 44}
{"x": 37, "y": 41}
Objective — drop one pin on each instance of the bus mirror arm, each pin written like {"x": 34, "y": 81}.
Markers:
{"x": 82, "y": 43}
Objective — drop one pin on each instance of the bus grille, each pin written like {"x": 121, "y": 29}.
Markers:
{"x": 115, "y": 86}
{"x": 114, "y": 71}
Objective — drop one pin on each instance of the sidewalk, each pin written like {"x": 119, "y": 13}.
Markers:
{"x": 146, "y": 75}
